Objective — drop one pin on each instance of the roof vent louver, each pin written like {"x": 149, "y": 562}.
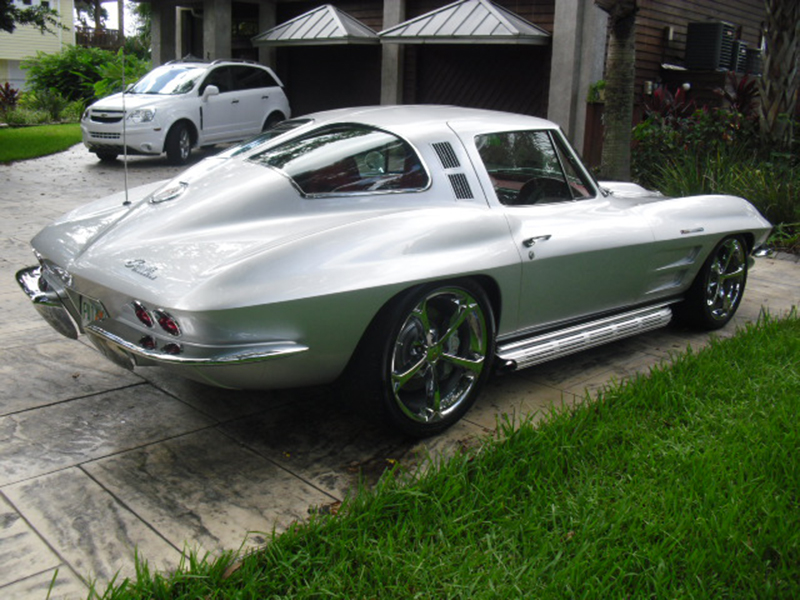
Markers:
{"x": 446, "y": 154}
{"x": 461, "y": 186}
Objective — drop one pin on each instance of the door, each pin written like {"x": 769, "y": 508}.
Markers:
{"x": 257, "y": 92}
{"x": 581, "y": 252}
{"x": 222, "y": 118}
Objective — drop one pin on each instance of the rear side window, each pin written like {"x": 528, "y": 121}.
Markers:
{"x": 345, "y": 159}
{"x": 248, "y": 78}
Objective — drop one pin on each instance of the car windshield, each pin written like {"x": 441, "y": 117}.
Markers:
{"x": 347, "y": 158}
{"x": 169, "y": 79}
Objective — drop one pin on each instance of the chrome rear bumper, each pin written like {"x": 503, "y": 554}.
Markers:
{"x": 48, "y": 301}
{"x": 113, "y": 338}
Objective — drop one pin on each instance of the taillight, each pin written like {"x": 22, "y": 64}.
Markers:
{"x": 167, "y": 323}
{"x": 142, "y": 314}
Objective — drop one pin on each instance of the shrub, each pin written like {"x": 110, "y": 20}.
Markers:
{"x": 111, "y": 74}
{"x": 72, "y": 72}
{"x": 26, "y": 116}
{"x": 83, "y": 74}
{"x": 773, "y": 186}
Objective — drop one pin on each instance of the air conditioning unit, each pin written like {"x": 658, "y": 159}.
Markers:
{"x": 739, "y": 57}
{"x": 709, "y": 46}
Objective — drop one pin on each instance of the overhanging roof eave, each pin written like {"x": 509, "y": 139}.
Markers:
{"x": 469, "y": 40}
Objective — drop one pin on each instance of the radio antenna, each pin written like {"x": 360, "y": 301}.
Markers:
{"x": 124, "y": 130}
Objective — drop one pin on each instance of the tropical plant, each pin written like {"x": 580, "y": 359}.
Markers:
{"x": 72, "y": 72}
{"x": 83, "y": 74}
{"x": 44, "y": 18}
{"x": 123, "y": 69}
{"x": 9, "y": 96}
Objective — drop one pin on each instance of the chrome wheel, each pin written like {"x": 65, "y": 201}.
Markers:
{"x": 185, "y": 144}
{"x": 718, "y": 289}
{"x": 725, "y": 280}
{"x": 438, "y": 355}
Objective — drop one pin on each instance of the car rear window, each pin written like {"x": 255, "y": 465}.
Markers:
{"x": 347, "y": 158}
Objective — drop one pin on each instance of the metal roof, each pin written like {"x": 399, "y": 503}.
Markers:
{"x": 325, "y": 25}
{"x": 467, "y": 22}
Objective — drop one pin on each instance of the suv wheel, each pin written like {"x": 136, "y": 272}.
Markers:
{"x": 179, "y": 144}
{"x": 106, "y": 156}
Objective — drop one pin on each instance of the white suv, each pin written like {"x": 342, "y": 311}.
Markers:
{"x": 186, "y": 104}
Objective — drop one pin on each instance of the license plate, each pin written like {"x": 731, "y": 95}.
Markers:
{"x": 91, "y": 311}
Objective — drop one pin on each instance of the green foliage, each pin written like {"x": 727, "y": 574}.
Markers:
{"x": 111, "y": 74}
{"x": 45, "y": 19}
{"x": 75, "y": 71}
{"x": 31, "y": 142}
{"x": 773, "y": 186}
{"x": 596, "y": 92}
{"x": 25, "y": 116}
{"x": 661, "y": 137}
{"x": 683, "y": 484}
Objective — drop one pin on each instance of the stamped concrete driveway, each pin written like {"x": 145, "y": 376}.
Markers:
{"x": 97, "y": 462}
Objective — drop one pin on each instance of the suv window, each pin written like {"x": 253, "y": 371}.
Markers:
{"x": 531, "y": 167}
{"x": 220, "y": 77}
{"x": 347, "y": 158}
{"x": 248, "y": 78}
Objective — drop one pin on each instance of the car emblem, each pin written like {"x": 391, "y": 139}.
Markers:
{"x": 140, "y": 267}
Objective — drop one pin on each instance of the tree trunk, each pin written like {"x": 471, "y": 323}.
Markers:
{"x": 619, "y": 90}
{"x": 779, "y": 83}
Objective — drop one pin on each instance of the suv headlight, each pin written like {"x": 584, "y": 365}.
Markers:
{"x": 142, "y": 115}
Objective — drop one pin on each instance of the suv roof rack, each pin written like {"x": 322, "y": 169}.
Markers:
{"x": 236, "y": 60}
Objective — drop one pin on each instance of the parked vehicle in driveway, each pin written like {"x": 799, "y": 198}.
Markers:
{"x": 410, "y": 250}
{"x": 183, "y": 105}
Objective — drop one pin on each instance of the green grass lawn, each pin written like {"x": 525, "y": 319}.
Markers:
{"x": 683, "y": 484}
{"x": 19, "y": 143}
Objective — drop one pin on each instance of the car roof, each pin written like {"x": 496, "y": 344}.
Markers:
{"x": 407, "y": 117}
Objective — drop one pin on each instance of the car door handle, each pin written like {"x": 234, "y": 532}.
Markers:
{"x": 235, "y": 101}
{"x": 539, "y": 238}
{"x": 265, "y": 97}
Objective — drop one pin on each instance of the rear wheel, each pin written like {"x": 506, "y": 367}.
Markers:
{"x": 427, "y": 356}
{"x": 272, "y": 120}
{"x": 179, "y": 144}
{"x": 717, "y": 290}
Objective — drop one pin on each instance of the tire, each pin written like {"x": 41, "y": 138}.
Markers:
{"x": 426, "y": 357}
{"x": 179, "y": 144}
{"x": 272, "y": 120}
{"x": 717, "y": 290}
{"x": 107, "y": 157}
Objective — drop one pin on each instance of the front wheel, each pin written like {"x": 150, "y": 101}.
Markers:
{"x": 107, "y": 156}
{"x": 179, "y": 144}
{"x": 718, "y": 288}
{"x": 428, "y": 355}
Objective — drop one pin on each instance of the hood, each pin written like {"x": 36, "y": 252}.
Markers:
{"x": 631, "y": 191}
{"x": 132, "y": 101}
{"x": 161, "y": 251}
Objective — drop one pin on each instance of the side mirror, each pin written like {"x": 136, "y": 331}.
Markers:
{"x": 211, "y": 90}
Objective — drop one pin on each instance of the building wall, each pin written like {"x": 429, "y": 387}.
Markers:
{"x": 27, "y": 40}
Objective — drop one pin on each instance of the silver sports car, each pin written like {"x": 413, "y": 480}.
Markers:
{"x": 408, "y": 250}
